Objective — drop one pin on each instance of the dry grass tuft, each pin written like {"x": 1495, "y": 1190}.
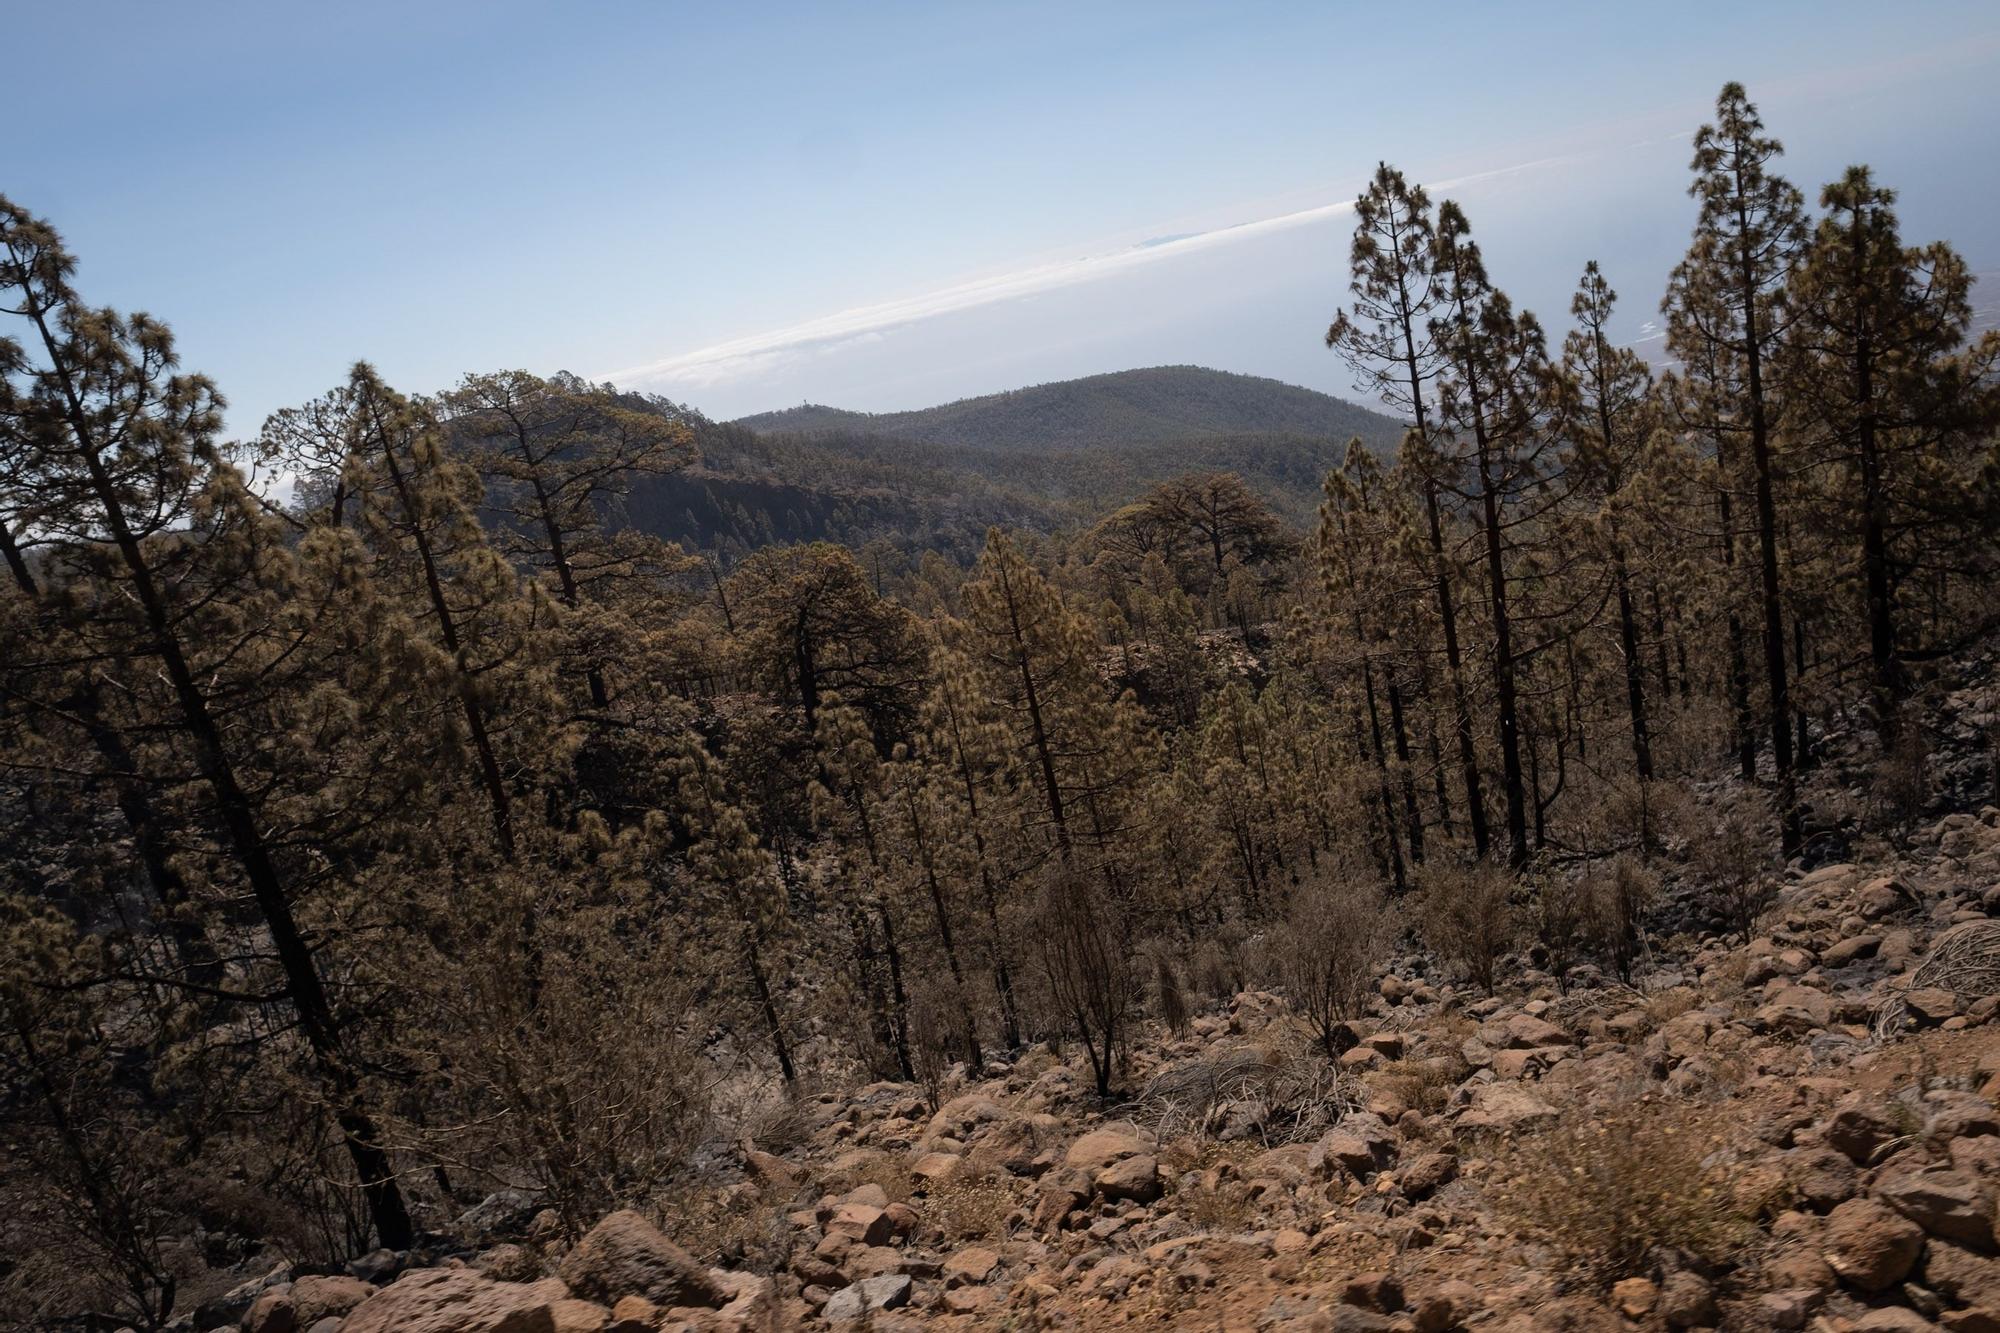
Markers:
{"x": 1631, "y": 1179}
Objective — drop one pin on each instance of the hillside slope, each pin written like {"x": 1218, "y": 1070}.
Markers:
{"x": 1041, "y": 458}
{"x": 1128, "y": 407}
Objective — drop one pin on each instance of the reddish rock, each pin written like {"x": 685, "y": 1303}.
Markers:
{"x": 1871, "y": 1247}
{"x": 1134, "y": 1178}
{"x": 861, "y": 1224}
{"x": 1942, "y": 1201}
{"x": 973, "y": 1264}
{"x": 457, "y": 1300}
{"x": 625, "y": 1255}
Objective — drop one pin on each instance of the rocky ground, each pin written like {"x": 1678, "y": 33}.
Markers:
{"x": 1797, "y": 1130}
{"x": 1731, "y": 1143}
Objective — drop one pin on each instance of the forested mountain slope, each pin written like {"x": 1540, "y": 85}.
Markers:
{"x": 1128, "y": 407}
{"x": 1043, "y": 458}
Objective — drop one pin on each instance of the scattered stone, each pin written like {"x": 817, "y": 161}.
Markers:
{"x": 1635, "y": 1297}
{"x": 457, "y": 1300}
{"x": 1374, "y": 1291}
{"x": 1861, "y": 1129}
{"x": 861, "y": 1224}
{"x": 1135, "y": 1178}
{"x": 1930, "y": 1005}
{"x": 1942, "y": 1201}
{"x": 1507, "y": 1107}
{"x": 888, "y": 1292}
{"x": 1871, "y": 1247}
{"x": 625, "y": 1255}
{"x": 1821, "y": 1178}
{"x": 1687, "y": 1301}
{"x": 974, "y": 1263}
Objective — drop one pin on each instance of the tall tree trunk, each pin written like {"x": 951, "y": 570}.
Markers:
{"x": 1739, "y": 664}
{"x": 1412, "y": 816}
{"x": 1767, "y": 546}
{"x": 1884, "y": 663}
{"x": 1635, "y": 669}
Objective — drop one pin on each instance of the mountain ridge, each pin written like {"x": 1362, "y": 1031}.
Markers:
{"x": 1145, "y": 405}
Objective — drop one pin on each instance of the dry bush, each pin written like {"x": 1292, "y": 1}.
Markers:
{"x": 935, "y": 1038}
{"x": 1467, "y": 916}
{"x": 1614, "y": 911}
{"x": 1964, "y": 960}
{"x": 1221, "y": 1204}
{"x": 1625, "y": 814}
{"x": 1900, "y": 785}
{"x": 969, "y": 1208}
{"x": 1169, "y": 995}
{"x": 777, "y": 1124}
{"x": 1611, "y": 1189}
{"x": 1087, "y": 968}
{"x": 1425, "y": 1084}
{"x": 591, "y": 1090}
{"x": 1332, "y": 944}
{"x": 1663, "y": 1007}
{"x": 1218, "y": 967}
{"x": 727, "y": 1229}
{"x": 1732, "y": 851}
{"x": 1299, "y": 1095}
{"x": 889, "y": 1171}
{"x": 1557, "y": 909}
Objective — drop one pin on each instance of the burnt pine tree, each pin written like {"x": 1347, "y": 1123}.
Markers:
{"x": 1606, "y": 390}
{"x": 1748, "y": 237}
{"x": 120, "y": 454}
{"x": 1493, "y": 401}
{"x": 1388, "y": 339}
{"x": 557, "y": 456}
{"x": 1884, "y": 406}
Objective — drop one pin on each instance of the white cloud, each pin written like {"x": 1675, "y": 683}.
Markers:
{"x": 740, "y": 358}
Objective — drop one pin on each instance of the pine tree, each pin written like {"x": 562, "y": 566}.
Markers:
{"x": 1390, "y": 341}
{"x": 1730, "y": 291}
{"x": 1884, "y": 405}
{"x": 968, "y": 747}
{"x": 119, "y": 451}
{"x": 557, "y": 456}
{"x": 1493, "y": 397}
{"x": 1607, "y": 391}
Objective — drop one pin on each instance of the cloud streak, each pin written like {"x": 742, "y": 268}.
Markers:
{"x": 740, "y": 358}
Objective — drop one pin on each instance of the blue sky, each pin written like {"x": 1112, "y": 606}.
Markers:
{"x": 881, "y": 205}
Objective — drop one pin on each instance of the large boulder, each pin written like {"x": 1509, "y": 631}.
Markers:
{"x": 1019, "y": 1146}
{"x": 1862, "y": 1127}
{"x": 625, "y": 1255}
{"x": 974, "y": 1263}
{"x": 457, "y": 1300}
{"x": 1525, "y": 1031}
{"x": 1822, "y": 1178}
{"x": 1795, "y": 1009}
{"x": 317, "y": 1298}
{"x": 1134, "y": 1178}
{"x": 1942, "y": 1201}
{"x": 861, "y": 1224}
{"x": 1505, "y": 1107}
{"x": 1101, "y": 1147}
{"x": 1959, "y": 1275}
{"x": 887, "y": 1292}
{"x": 962, "y": 1115}
{"x": 1360, "y": 1145}
{"x": 1871, "y": 1247}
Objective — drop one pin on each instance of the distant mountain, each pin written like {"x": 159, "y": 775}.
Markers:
{"x": 1046, "y": 459}
{"x": 1159, "y": 405}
